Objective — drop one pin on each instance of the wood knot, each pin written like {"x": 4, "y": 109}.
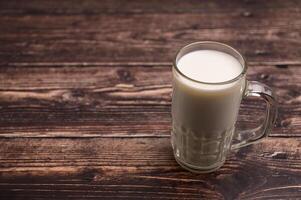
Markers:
{"x": 78, "y": 93}
{"x": 282, "y": 66}
{"x": 125, "y": 75}
{"x": 295, "y": 93}
{"x": 285, "y": 123}
{"x": 89, "y": 174}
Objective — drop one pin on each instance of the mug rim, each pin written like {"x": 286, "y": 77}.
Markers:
{"x": 217, "y": 46}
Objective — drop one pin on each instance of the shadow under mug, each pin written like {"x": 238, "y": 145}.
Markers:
{"x": 204, "y": 114}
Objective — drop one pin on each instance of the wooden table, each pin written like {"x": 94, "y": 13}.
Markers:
{"x": 85, "y": 98}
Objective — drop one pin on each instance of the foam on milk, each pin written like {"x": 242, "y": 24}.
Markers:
{"x": 209, "y": 66}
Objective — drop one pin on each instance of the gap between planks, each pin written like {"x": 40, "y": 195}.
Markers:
{"x": 92, "y": 64}
{"x": 21, "y": 135}
{"x": 16, "y": 136}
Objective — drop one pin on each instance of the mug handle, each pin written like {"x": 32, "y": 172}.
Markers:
{"x": 247, "y": 137}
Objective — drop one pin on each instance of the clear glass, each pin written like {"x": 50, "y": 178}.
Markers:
{"x": 204, "y": 114}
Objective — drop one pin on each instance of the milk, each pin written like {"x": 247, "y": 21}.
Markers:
{"x": 204, "y": 114}
{"x": 209, "y": 66}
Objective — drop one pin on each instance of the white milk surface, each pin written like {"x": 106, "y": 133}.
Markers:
{"x": 209, "y": 66}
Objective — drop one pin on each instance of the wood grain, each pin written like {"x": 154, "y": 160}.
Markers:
{"x": 94, "y": 7}
{"x": 85, "y": 98}
{"x": 140, "y": 168}
{"x": 132, "y": 31}
{"x": 121, "y": 101}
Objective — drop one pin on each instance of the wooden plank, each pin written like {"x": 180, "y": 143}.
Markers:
{"x": 141, "y": 168}
{"x": 39, "y": 34}
{"x": 121, "y": 101}
{"x": 94, "y": 7}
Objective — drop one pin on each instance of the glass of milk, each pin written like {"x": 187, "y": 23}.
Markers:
{"x": 209, "y": 82}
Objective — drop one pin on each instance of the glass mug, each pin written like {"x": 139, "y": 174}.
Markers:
{"x": 203, "y": 121}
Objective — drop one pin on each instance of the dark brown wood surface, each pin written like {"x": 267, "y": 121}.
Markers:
{"x": 85, "y": 98}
